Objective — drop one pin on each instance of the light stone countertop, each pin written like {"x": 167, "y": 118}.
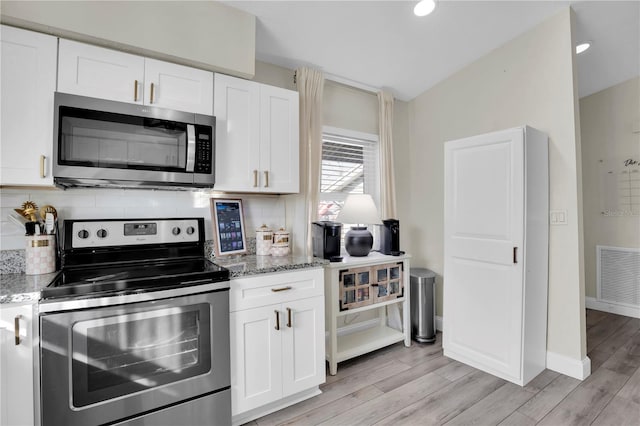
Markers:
{"x": 242, "y": 266}
{"x": 21, "y": 288}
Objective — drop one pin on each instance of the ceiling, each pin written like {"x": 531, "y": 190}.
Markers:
{"x": 382, "y": 44}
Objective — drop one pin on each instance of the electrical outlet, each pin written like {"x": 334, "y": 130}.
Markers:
{"x": 558, "y": 217}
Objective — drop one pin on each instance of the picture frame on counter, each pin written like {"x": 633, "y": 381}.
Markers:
{"x": 229, "y": 228}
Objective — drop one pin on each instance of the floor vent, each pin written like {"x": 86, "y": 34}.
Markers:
{"x": 618, "y": 276}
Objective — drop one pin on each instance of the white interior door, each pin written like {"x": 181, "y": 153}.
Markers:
{"x": 483, "y": 272}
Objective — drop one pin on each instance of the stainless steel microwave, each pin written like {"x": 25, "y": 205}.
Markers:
{"x": 100, "y": 143}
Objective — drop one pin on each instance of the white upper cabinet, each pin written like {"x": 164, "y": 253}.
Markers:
{"x": 100, "y": 73}
{"x": 279, "y": 139}
{"x": 257, "y": 137}
{"x": 178, "y": 87}
{"x": 108, "y": 74}
{"x": 28, "y": 82}
{"x": 237, "y": 111}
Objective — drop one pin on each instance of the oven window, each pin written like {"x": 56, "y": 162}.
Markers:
{"x": 123, "y": 354}
{"x": 102, "y": 139}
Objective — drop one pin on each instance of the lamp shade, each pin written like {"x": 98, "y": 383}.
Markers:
{"x": 359, "y": 208}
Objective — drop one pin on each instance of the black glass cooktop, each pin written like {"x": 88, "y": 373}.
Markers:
{"x": 136, "y": 277}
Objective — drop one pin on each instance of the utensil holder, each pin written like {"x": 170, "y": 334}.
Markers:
{"x": 40, "y": 255}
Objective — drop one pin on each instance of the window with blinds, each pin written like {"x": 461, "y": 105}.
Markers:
{"x": 349, "y": 166}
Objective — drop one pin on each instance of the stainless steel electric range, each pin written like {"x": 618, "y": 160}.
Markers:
{"x": 135, "y": 329}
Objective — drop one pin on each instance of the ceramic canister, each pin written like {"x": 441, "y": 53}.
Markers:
{"x": 40, "y": 254}
{"x": 280, "y": 245}
{"x": 264, "y": 240}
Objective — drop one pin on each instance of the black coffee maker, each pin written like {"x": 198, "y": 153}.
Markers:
{"x": 390, "y": 237}
{"x": 326, "y": 240}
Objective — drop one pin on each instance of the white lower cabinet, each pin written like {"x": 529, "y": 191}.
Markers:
{"x": 277, "y": 349}
{"x": 17, "y": 346}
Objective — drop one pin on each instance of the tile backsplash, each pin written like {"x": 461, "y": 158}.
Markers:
{"x": 131, "y": 204}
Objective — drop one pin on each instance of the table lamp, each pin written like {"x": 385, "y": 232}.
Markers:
{"x": 360, "y": 209}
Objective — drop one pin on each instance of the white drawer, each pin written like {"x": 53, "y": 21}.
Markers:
{"x": 267, "y": 289}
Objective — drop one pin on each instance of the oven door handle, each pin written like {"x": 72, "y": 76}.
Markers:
{"x": 191, "y": 147}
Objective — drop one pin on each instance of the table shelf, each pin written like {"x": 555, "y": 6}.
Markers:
{"x": 343, "y": 344}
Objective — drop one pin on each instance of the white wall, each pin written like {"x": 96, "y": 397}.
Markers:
{"x": 608, "y": 120}
{"x": 530, "y": 80}
{"x": 120, "y": 203}
{"x": 206, "y": 34}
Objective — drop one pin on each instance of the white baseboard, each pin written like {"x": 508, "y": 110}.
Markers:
{"x": 578, "y": 369}
{"x": 628, "y": 311}
{"x": 280, "y": 404}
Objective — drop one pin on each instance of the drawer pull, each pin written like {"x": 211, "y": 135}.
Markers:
{"x": 255, "y": 178}
{"x": 275, "y": 290}
{"x": 289, "y": 317}
{"x": 16, "y": 328}
{"x": 277, "y": 319}
{"x": 266, "y": 179}
{"x": 135, "y": 90}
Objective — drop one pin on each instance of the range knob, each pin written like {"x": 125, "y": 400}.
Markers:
{"x": 102, "y": 233}
{"x": 191, "y": 230}
{"x": 84, "y": 234}
{"x": 175, "y": 230}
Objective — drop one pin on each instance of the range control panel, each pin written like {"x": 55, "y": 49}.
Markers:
{"x": 103, "y": 233}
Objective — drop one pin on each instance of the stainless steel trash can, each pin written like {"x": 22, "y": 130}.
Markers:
{"x": 423, "y": 305}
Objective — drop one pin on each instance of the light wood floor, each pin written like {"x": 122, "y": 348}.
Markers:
{"x": 419, "y": 386}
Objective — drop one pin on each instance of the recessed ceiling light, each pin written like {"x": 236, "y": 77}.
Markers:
{"x": 582, "y": 47}
{"x": 424, "y": 7}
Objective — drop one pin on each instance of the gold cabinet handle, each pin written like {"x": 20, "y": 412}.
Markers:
{"x": 277, "y": 319}
{"x": 255, "y": 178}
{"x": 275, "y": 290}
{"x": 16, "y": 328}
{"x": 151, "y": 94}
{"x": 42, "y": 174}
{"x": 135, "y": 91}
{"x": 289, "y": 317}
{"x": 266, "y": 179}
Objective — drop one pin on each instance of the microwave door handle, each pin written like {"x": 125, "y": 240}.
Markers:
{"x": 191, "y": 147}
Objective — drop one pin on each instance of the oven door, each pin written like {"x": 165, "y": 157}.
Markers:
{"x": 107, "y": 364}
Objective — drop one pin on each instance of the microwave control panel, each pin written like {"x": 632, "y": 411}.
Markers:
{"x": 204, "y": 149}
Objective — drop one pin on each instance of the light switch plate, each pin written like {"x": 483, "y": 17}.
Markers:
{"x": 558, "y": 217}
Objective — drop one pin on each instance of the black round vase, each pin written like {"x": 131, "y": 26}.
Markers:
{"x": 358, "y": 241}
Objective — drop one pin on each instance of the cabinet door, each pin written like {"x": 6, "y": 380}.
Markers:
{"x": 237, "y": 111}
{"x": 28, "y": 79}
{"x": 100, "y": 73}
{"x": 256, "y": 358}
{"x": 178, "y": 87}
{"x": 16, "y": 366}
{"x": 279, "y": 140}
{"x": 303, "y": 345}
{"x": 483, "y": 250}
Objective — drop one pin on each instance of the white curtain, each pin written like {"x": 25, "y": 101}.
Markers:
{"x": 387, "y": 176}
{"x": 310, "y": 85}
